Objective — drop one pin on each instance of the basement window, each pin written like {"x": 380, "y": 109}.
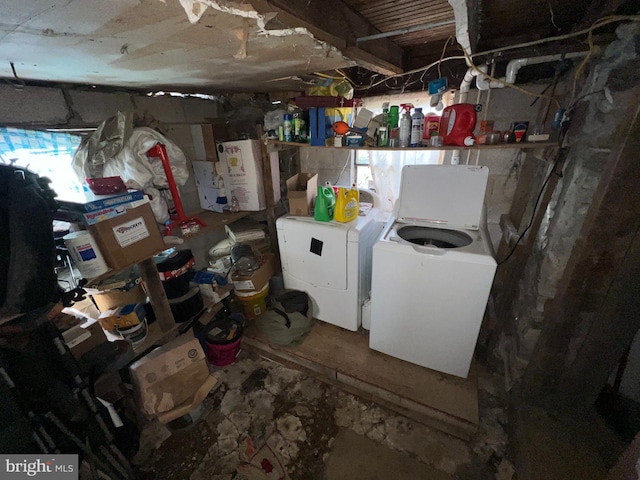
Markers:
{"x": 47, "y": 153}
{"x": 380, "y": 170}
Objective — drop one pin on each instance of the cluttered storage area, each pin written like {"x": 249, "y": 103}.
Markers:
{"x": 421, "y": 274}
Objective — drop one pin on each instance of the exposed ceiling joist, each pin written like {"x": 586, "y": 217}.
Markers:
{"x": 339, "y": 25}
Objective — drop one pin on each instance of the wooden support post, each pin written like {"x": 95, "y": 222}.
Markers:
{"x": 594, "y": 315}
{"x": 158, "y": 298}
{"x": 268, "y": 193}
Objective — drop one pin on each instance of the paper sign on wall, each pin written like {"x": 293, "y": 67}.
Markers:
{"x": 130, "y": 232}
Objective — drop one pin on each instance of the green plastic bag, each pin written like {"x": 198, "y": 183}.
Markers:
{"x": 288, "y": 319}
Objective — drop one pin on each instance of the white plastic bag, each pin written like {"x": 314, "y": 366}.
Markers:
{"x": 141, "y": 140}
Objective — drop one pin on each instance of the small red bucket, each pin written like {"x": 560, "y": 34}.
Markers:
{"x": 222, "y": 342}
{"x": 222, "y": 355}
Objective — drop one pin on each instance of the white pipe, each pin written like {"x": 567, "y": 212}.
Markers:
{"x": 514, "y": 65}
{"x": 482, "y": 81}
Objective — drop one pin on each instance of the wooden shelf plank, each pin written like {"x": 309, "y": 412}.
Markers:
{"x": 344, "y": 359}
{"x": 216, "y": 220}
{"x": 499, "y": 146}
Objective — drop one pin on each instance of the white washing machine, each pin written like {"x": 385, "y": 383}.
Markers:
{"x": 433, "y": 268}
{"x": 331, "y": 261}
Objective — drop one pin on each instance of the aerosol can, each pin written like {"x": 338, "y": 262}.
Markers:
{"x": 405, "y": 125}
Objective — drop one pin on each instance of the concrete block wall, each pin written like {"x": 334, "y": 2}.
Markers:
{"x": 331, "y": 164}
{"x": 504, "y": 107}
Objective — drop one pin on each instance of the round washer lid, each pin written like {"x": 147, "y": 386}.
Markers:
{"x": 451, "y": 195}
{"x": 434, "y": 237}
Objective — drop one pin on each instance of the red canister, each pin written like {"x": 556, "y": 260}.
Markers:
{"x": 457, "y": 124}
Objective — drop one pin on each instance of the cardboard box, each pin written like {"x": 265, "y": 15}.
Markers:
{"x": 209, "y": 199}
{"x": 92, "y": 202}
{"x": 110, "y": 299}
{"x": 191, "y": 403}
{"x": 204, "y": 174}
{"x": 128, "y": 238}
{"x": 97, "y": 216}
{"x": 241, "y": 163}
{"x": 169, "y": 375}
{"x": 258, "y": 279}
{"x": 84, "y": 337}
{"x": 302, "y": 188}
{"x": 204, "y": 142}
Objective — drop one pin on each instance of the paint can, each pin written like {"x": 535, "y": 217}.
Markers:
{"x": 135, "y": 334}
{"x": 253, "y": 302}
{"x": 85, "y": 254}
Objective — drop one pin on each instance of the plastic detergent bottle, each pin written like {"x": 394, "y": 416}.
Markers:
{"x": 405, "y": 125}
{"x": 417, "y": 127}
{"x": 325, "y": 203}
{"x": 393, "y": 116}
{"x": 347, "y": 204}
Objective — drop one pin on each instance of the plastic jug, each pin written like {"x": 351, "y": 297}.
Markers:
{"x": 347, "y": 204}
{"x": 325, "y": 203}
{"x": 457, "y": 124}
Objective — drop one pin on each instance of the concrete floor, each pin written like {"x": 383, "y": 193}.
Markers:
{"x": 267, "y": 421}
{"x": 356, "y": 457}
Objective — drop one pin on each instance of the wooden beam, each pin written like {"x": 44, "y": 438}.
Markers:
{"x": 335, "y": 23}
{"x": 371, "y": 62}
{"x": 157, "y": 295}
{"x": 594, "y": 314}
{"x": 505, "y": 289}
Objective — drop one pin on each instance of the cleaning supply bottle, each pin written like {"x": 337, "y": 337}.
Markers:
{"x": 347, "y": 204}
{"x": 383, "y": 129}
{"x": 417, "y": 127}
{"x": 431, "y": 125}
{"x": 288, "y": 128}
{"x": 393, "y": 116}
{"x": 325, "y": 203}
{"x": 405, "y": 125}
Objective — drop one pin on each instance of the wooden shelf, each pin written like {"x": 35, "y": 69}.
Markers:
{"x": 155, "y": 335}
{"x": 499, "y": 146}
{"x": 215, "y": 221}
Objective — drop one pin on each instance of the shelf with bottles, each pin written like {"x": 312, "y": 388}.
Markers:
{"x": 497, "y": 146}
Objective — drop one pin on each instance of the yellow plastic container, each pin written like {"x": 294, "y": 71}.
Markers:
{"x": 253, "y": 303}
{"x": 347, "y": 205}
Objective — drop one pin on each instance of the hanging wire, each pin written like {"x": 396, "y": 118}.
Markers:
{"x": 598, "y": 24}
{"x": 16, "y": 82}
{"x": 560, "y": 156}
{"x": 444, "y": 49}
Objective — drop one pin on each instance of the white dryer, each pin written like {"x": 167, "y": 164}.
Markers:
{"x": 433, "y": 269}
{"x": 331, "y": 261}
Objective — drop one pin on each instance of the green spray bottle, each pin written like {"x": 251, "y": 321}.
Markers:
{"x": 325, "y": 203}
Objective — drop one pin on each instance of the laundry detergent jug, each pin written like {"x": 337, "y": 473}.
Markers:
{"x": 457, "y": 124}
{"x": 347, "y": 204}
{"x": 325, "y": 203}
